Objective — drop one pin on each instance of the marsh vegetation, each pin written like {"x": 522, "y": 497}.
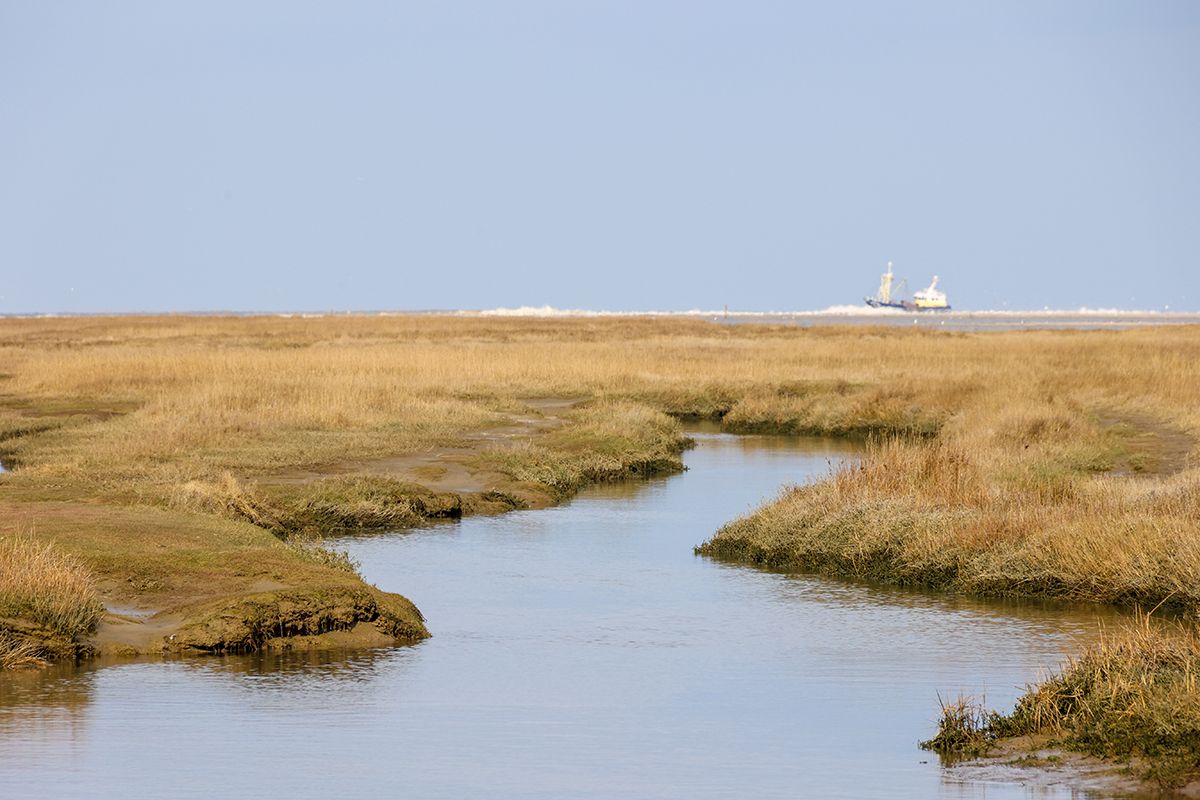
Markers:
{"x": 48, "y": 604}
{"x": 192, "y": 464}
{"x": 1131, "y": 697}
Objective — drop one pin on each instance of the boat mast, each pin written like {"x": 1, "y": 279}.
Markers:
{"x": 885, "y": 285}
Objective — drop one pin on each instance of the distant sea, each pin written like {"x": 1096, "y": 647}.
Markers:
{"x": 1082, "y": 318}
{"x": 976, "y": 320}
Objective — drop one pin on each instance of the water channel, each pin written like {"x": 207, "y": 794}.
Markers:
{"x": 580, "y": 651}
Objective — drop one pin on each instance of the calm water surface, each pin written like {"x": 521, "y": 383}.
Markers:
{"x": 578, "y": 652}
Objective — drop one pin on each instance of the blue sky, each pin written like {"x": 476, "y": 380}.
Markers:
{"x": 616, "y": 155}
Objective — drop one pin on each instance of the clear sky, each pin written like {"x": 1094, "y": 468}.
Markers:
{"x": 605, "y": 155}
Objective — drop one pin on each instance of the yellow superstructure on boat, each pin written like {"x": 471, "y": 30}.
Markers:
{"x": 930, "y": 299}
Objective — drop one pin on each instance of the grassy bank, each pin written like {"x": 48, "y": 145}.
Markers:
{"x": 1051, "y": 483}
{"x": 603, "y": 442}
{"x": 173, "y": 456}
{"x": 48, "y": 603}
{"x": 989, "y": 523}
{"x": 1131, "y": 698}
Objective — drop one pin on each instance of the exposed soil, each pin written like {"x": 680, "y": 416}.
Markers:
{"x": 449, "y": 469}
{"x": 1151, "y": 446}
{"x": 123, "y": 634}
{"x": 1034, "y": 762}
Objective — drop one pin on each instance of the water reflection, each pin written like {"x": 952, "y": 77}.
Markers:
{"x": 39, "y": 708}
{"x": 288, "y": 667}
{"x": 579, "y": 651}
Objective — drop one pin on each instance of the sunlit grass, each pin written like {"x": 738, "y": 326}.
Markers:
{"x": 1132, "y": 695}
{"x": 44, "y": 595}
{"x": 1024, "y": 462}
{"x": 993, "y": 522}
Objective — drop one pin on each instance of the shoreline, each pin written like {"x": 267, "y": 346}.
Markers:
{"x": 1038, "y": 763}
{"x": 271, "y": 613}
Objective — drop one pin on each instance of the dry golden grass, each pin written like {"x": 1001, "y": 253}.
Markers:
{"x": 43, "y": 587}
{"x": 313, "y": 509}
{"x": 1068, "y": 472}
{"x": 1132, "y": 695}
{"x": 938, "y": 513}
{"x": 20, "y": 653}
{"x": 255, "y": 394}
{"x": 1016, "y": 469}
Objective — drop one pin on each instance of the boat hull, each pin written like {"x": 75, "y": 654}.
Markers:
{"x": 902, "y": 305}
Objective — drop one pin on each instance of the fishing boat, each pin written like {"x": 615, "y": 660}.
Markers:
{"x": 930, "y": 299}
{"x": 927, "y": 299}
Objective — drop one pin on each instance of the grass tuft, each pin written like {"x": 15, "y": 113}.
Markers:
{"x": 20, "y": 653}
{"x": 965, "y": 728}
{"x": 1132, "y": 696}
{"x": 44, "y": 595}
{"x": 316, "y": 552}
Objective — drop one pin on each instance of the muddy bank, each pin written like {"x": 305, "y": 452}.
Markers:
{"x": 1041, "y": 766}
{"x": 1129, "y": 700}
{"x": 330, "y": 617}
{"x": 536, "y": 458}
